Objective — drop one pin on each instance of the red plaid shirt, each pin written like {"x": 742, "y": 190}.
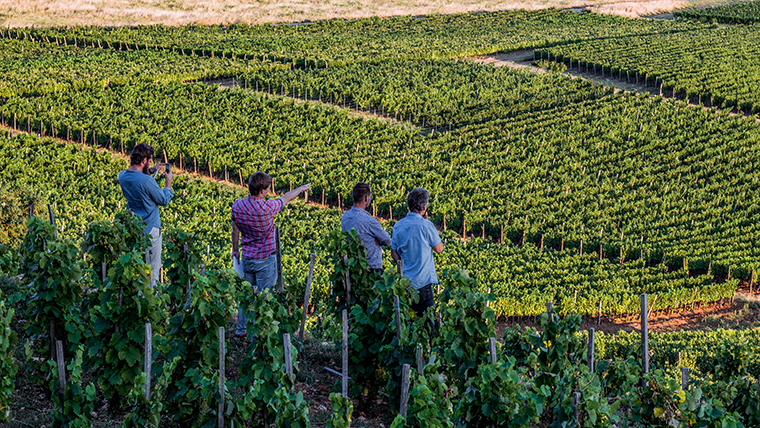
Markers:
{"x": 255, "y": 219}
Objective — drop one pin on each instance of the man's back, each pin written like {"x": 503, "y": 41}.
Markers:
{"x": 413, "y": 239}
{"x": 144, "y": 196}
{"x": 255, "y": 219}
{"x": 369, "y": 231}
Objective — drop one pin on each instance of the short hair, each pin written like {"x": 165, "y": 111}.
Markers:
{"x": 258, "y": 182}
{"x": 141, "y": 152}
{"x": 361, "y": 191}
{"x": 417, "y": 199}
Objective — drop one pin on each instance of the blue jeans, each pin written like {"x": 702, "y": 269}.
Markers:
{"x": 260, "y": 274}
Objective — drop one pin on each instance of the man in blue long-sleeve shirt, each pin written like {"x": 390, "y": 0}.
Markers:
{"x": 144, "y": 196}
{"x": 367, "y": 227}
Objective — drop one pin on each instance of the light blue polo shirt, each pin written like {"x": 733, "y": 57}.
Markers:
{"x": 414, "y": 239}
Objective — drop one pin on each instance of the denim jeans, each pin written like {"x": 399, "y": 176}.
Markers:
{"x": 260, "y": 274}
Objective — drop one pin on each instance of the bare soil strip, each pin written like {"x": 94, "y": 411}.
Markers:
{"x": 523, "y": 60}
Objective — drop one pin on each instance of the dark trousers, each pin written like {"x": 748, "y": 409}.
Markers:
{"x": 426, "y": 300}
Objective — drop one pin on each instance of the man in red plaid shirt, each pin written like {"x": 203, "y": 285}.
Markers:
{"x": 253, "y": 224}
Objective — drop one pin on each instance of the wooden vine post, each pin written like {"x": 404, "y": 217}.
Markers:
{"x": 348, "y": 282}
{"x": 492, "y": 349}
{"x": 61, "y": 366}
{"x": 148, "y": 358}
{"x": 590, "y": 355}
{"x": 420, "y": 363}
{"x": 397, "y": 310}
{"x": 288, "y": 357}
{"x": 644, "y": 338}
{"x": 52, "y": 221}
{"x": 306, "y": 297}
{"x": 577, "y": 408}
{"x": 405, "y": 373}
{"x": 344, "y": 356}
{"x": 280, "y": 286}
{"x": 222, "y": 396}
{"x": 685, "y": 378}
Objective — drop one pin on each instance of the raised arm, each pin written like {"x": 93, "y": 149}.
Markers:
{"x": 289, "y": 196}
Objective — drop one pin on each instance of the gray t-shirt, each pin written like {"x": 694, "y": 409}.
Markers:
{"x": 370, "y": 232}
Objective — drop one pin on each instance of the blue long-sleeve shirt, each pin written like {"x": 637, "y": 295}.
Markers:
{"x": 144, "y": 196}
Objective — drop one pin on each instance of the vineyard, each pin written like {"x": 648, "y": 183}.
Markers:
{"x": 740, "y": 13}
{"x": 545, "y": 189}
{"x": 711, "y": 67}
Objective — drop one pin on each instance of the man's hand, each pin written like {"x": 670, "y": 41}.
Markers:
{"x": 152, "y": 170}
{"x": 236, "y": 255}
{"x": 169, "y": 175}
{"x": 289, "y": 196}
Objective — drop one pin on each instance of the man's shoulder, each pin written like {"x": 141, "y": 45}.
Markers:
{"x": 129, "y": 176}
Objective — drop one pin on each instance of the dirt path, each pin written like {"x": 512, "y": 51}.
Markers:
{"x": 523, "y": 60}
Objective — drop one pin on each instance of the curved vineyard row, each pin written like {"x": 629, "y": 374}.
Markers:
{"x": 715, "y": 66}
{"x": 438, "y": 94}
{"x": 337, "y": 42}
{"x": 82, "y": 185}
{"x": 34, "y": 68}
{"x": 739, "y": 13}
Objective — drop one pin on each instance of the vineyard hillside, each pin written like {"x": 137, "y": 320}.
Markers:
{"x": 560, "y": 202}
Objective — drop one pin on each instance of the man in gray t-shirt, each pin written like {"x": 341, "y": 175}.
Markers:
{"x": 368, "y": 228}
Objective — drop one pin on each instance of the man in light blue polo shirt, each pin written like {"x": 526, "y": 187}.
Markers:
{"x": 367, "y": 227}
{"x": 415, "y": 238}
{"x": 144, "y": 196}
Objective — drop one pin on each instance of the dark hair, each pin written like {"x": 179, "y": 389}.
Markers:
{"x": 258, "y": 182}
{"x": 361, "y": 191}
{"x": 417, "y": 199}
{"x": 141, "y": 152}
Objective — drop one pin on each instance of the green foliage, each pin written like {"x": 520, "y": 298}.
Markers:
{"x": 54, "y": 295}
{"x": 125, "y": 303}
{"x": 73, "y": 408}
{"x": 107, "y": 240}
{"x": 342, "y": 409}
{"x": 289, "y": 408}
{"x": 181, "y": 256}
{"x": 467, "y": 324}
{"x": 8, "y": 260}
{"x": 336, "y": 43}
{"x": 8, "y": 343}
{"x": 14, "y": 210}
{"x": 193, "y": 339}
{"x": 737, "y": 13}
{"x": 147, "y": 412}
{"x": 262, "y": 370}
{"x": 430, "y": 398}
{"x": 680, "y": 64}
{"x": 497, "y": 396}
{"x": 552, "y": 67}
